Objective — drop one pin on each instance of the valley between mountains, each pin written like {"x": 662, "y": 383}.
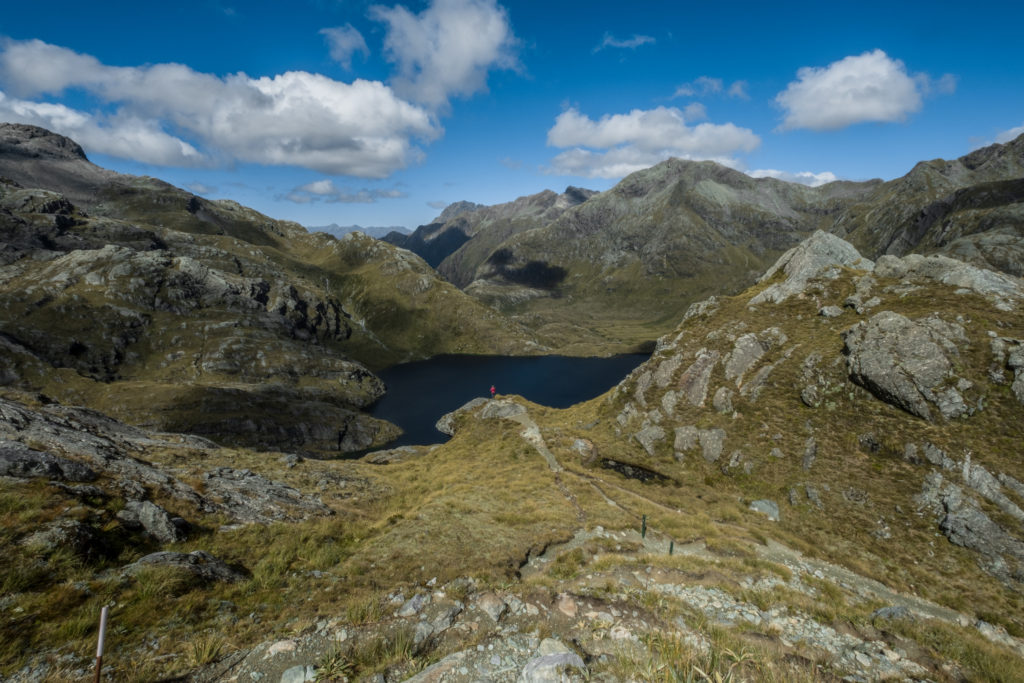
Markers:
{"x": 818, "y": 474}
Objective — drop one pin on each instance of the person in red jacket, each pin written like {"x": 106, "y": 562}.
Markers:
{"x": 492, "y": 391}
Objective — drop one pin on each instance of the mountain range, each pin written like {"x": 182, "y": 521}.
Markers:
{"x": 816, "y": 475}
{"x": 675, "y": 233}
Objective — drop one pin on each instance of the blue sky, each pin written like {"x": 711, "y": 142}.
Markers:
{"x": 345, "y": 111}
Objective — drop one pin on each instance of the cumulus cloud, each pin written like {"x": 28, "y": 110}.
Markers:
{"x": 162, "y": 112}
{"x": 326, "y": 191}
{"x": 345, "y": 41}
{"x": 627, "y": 43}
{"x": 619, "y": 144}
{"x": 856, "y": 89}
{"x": 121, "y": 135}
{"x": 447, "y": 49}
{"x": 1011, "y": 134}
{"x": 802, "y": 177}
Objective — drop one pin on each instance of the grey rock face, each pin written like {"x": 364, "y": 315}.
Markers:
{"x": 18, "y": 460}
{"x": 299, "y": 674}
{"x": 907, "y": 363}
{"x": 77, "y": 536}
{"x": 446, "y": 425}
{"x": 747, "y": 351}
{"x": 551, "y": 663}
{"x": 686, "y": 439}
{"x": 650, "y": 437}
{"x": 965, "y": 524}
{"x": 498, "y": 409}
{"x": 722, "y": 401}
{"x": 155, "y": 520}
{"x": 766, "y": 507}
{"x": 693, "y": 384}
{"x": 1003, "y": 289}
{"x": 199, "y": 563}
{"x": 820, "y": 255}
{"x": 830, "y": 311}
{"x": 249, "y": 497}
{"x": 711, "y": 443}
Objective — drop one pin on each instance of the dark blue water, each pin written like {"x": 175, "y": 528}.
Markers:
{"x": 420, "y": 393}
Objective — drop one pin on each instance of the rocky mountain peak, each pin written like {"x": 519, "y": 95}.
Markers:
{"x": 455, "y": 209}
{"x": 21, "y": 140}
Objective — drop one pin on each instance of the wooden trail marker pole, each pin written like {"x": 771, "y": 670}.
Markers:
{"x": 99, "y": 648}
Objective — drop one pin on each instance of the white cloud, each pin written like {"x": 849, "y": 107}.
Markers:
{"x": 699, "y": 87}
{"x": 447, "y": 49}
{"x": 1011, "y": 134}
{"x": 121, "y": 135}
{"x": 325, "y": 190}
{"x": 437, "y": 204}
{"x": 628, "y": 43}
{"x": 511, "y": 164}
{"x": 319, "y": 187}
{"x": 639, "y": 140}
{"x": 163, "y": 113}
{"x": 695, "y": 111}
{"x": 802, "y": 177}
{"x": 855, "y": 89}
{"x": 739, "y": 89}
{"x": 345, "y": 41}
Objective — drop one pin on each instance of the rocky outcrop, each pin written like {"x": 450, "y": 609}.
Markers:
{"x": 200, "y": 564}
{"x": 251, "y": 498}
{"x": 819, "y": 256}
{"x": 156, "y": 521}
{"x": 18, "y": 460}
{"x": 1004, "y": 290}
{"x": 112, "y": 450}
{"x": 908, "y": 363}
{"x": 447, "y": 424}
{"x": 965, "y": 524}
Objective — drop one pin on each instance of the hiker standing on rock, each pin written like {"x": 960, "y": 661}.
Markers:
{"x": 492, "y": 391}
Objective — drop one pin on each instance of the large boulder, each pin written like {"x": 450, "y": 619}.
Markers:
{"x": 18, "y": 460}
{"x": 907, "y": 362}
{"x": 820, "y": 255}
{"x": 199, "y": 563}
{"x": 157, "y": 522}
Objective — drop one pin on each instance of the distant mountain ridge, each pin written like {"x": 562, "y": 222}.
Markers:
{"x": 679, "y": 231}
{"x": 377, "y": 232}
{"x": 462, "y": 221}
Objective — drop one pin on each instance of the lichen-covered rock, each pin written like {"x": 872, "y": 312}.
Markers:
{"x": 199, "y": 563}
{"x": 820, "y": 255}
{"x": 157, "y": 522}
{"x": 18, "y": 460}
{"x": 747, "y": 351}
{"x": 1004, "y": 290}
{"x": 907, "y": 362}
{"x": 252, "y": 498}
{"x": 650, "y": 437}
{"x": 712, "y": 441}
{"x": 76, "y": 536}
{"x": 693, "y": 384}
{"x": 446, "y": 425}
{"x": 722, "y": 400}
{"x": 766, "y": 507}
